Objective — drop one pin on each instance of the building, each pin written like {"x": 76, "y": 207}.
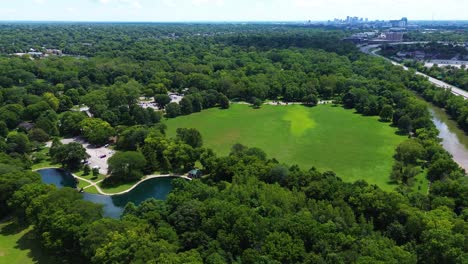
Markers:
{"x": 195, "y": 173}
{"x": 402, "y": 23}
{"x": 393, "y": 36}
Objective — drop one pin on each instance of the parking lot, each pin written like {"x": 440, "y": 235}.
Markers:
{"x": 95, "y": 153}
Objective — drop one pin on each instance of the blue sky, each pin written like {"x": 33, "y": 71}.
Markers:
{"x": 229, "y": 10}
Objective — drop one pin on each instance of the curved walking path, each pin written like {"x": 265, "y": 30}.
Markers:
{"x": 149, "y": 177}
{"x": 282, "y": 103}
{"x": 100, "y": 191}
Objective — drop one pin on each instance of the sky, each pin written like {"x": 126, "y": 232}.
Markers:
{"x": 229, "y": 10}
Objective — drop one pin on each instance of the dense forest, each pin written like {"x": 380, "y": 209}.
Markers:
{"x": 248, "y": 208}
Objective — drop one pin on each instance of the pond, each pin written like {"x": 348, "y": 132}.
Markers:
{"x": 157, "y": 188}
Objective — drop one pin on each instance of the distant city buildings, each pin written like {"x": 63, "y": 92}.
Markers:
{"x": 360, "y": 22}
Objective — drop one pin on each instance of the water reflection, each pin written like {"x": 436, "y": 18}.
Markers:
{"x": 454, "y": 140}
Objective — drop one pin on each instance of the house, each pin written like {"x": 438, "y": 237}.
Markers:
{"x": 195, "y": 173}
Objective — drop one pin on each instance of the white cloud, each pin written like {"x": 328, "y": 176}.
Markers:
{"x": 39, "y": 2}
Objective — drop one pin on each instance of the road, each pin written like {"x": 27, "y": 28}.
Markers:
{"x": 372, "y": 49}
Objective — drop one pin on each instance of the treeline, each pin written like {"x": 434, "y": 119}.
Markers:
{"x": 248, "y": 209}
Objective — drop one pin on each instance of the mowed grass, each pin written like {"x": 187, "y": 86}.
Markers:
{"x": 18, "y": 245}
{"x": 327, "y": 137}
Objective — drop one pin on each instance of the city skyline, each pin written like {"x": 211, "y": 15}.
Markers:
{"x": 228, "y": 10}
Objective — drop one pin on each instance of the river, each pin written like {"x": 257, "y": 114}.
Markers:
{"x": 454, "y": 140}
{"x": 113, "y": 206}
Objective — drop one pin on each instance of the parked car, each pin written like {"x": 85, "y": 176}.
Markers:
{"x": 102, "y": 156}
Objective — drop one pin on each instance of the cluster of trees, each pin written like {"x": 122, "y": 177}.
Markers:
{"x": 195, "y": 101}
{"x": 144, "y": 150}
{"x": 250, "y": 209}
{"x": 70, "y": 155}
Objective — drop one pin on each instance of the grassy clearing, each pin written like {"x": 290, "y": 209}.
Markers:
{"x": 420, "y": 183}
{"x": 327, "y": 137}
{"x": 90, "y": 176}
{"x": 92, "y": 190}
{"x": 116, "y": 189}
{"x": 18, "y": 245}
{"x": 44, "y": 161}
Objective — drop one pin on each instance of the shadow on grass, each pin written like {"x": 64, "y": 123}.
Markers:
{"x": 39, "y": 255}
{"x": 29, "y": 243}
{"x": 12, "y": 228}
{"x": 401, "y": 133}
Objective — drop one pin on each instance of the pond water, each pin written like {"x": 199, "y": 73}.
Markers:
{"x": 157, "y": 188}
{"x": 454, "y": 140}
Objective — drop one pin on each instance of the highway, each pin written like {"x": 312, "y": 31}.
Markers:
{"x": 372, "y": 49}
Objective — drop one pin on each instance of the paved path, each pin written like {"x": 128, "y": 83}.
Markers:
{"x": 286, "y": 103}
{"x": 100, "y": 191}
{"x": 372, "y": 49}
{"x": 142, "y": 180}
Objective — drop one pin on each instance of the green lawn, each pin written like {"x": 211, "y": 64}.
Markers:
{"x": 327, "y": 137}
{"x": 45, "y": 162}
{"x": 91, "y": 189}
{"x": 18, "y": 245}
{"x": 90, "y": 176}
{"x": 420, "y": 183}
{"x": 117, "y": 188}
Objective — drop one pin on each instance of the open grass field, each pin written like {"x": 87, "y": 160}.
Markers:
{"x": 19, "y": 246}
{"x": 327, "y": 137}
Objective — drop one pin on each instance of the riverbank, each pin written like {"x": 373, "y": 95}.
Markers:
{"x": 454, "y": 140}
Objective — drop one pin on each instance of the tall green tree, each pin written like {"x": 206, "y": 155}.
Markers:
{"x": 126, "y": 166}
{"x": 96, "y": 131}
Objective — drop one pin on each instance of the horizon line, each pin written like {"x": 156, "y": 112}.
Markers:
{"x": 207, "y": 21}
